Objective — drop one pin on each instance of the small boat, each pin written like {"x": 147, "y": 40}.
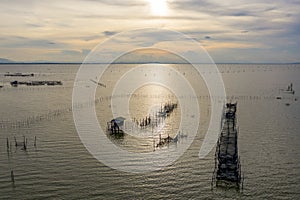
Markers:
{"x": 101, "y": 84}
{"x": 18, "y": 74}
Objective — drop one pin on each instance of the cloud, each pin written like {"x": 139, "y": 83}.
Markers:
{"x": 34, "y": 25}
{"x": 68, "y": 26}
{"x": 213, "y": 8}
{"x": 68, "y": 55}
{"x": 119, "y": 2}
{"x": 109, "y": 33}
{"x": 150, "y": 56}
{"x": 24, "y": 42}
{"x": 89, "y": 38}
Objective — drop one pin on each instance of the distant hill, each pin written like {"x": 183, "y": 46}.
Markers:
{"x": 4, "y": 60}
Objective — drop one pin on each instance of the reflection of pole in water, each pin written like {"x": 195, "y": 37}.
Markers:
{"x": 159, "y": 138}
{"x": 153, "y": 144}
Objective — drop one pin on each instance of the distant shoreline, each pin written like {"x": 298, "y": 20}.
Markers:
{"x": 78, "y": 63}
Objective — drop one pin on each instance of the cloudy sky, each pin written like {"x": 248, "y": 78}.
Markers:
{"x": 231, "y": 31}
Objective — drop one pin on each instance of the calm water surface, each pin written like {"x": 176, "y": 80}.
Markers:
{"x": 60, "y": 167}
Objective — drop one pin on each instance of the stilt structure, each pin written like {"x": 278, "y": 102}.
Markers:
{"x": 227, "y": 171}
{"x": 114, "y": 126}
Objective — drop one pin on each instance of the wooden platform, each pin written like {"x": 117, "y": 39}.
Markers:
{"x": 227, "y": 171}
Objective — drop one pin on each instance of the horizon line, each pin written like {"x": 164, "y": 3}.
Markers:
{"x": 46, "y": 62}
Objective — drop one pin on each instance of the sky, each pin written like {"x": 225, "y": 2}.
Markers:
{"x": 231, "y": 31}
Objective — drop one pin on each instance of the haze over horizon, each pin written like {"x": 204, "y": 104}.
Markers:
{"x": 231, "y": 31}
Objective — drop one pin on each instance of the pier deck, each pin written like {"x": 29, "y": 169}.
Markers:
{"x": 227, "y": 164}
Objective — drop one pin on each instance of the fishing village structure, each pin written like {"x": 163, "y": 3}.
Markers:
{"x": 114, "y": 126}
{"x": 117, "y": 125}
{"x": 288, "y": 95}
{"x": 289, "y": 89}
{"x": 227, "y": 172}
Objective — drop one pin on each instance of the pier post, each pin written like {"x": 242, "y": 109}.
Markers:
{"x": 12, "y": 176}
{"x": 24, "y": 143}
{"x": 7, "y": 144}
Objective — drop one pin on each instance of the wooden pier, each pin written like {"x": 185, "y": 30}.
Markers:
{"x": 227, "y": 171}
{"x": 18, "y": 74}
{"x": 117, "y": 127}
{"x": 35, "y": 83}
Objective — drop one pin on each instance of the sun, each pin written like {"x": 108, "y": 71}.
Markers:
{"x": 159, "y": 7}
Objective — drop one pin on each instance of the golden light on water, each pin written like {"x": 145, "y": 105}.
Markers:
{"x": 159, "y": 7}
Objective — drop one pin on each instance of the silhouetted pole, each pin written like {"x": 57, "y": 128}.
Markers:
{"x": 12, "y": 176}
{"x": 16, "y": 144}
{"x": 7, "y": 144}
